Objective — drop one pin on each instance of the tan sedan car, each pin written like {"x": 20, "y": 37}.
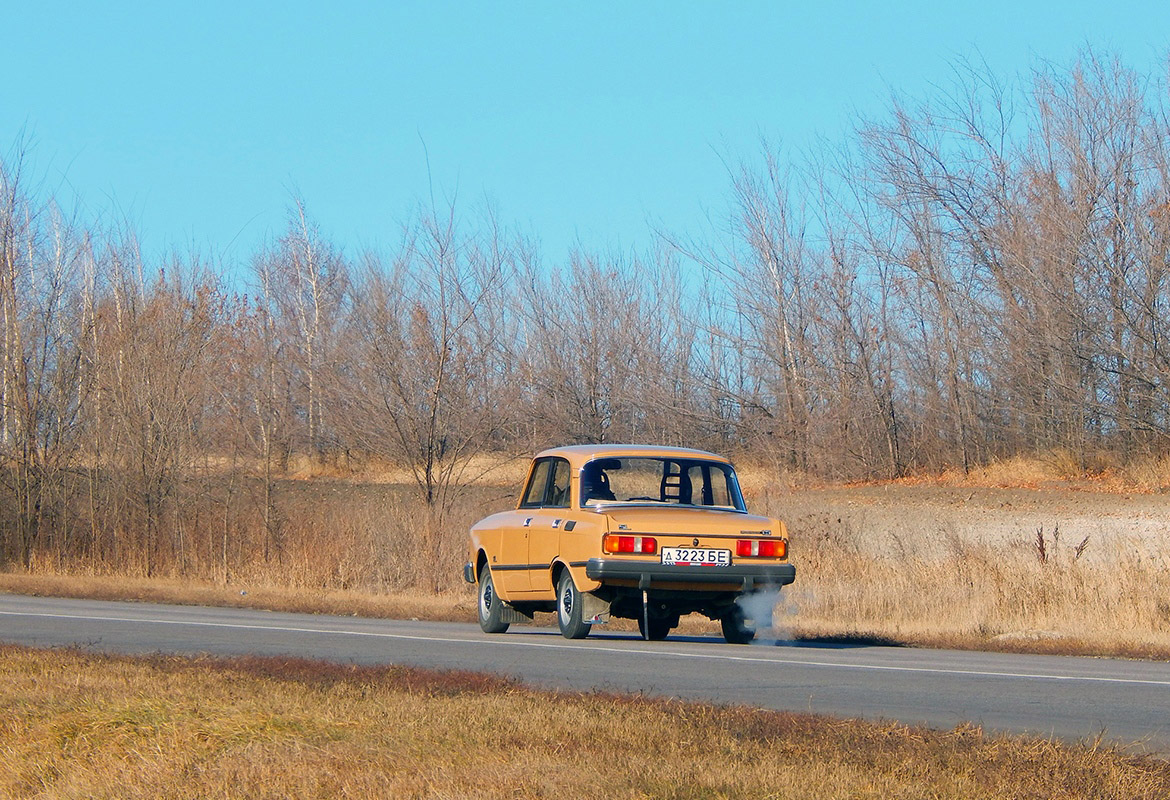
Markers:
{"x": 633, "y": 531}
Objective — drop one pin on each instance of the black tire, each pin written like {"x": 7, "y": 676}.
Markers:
{"x": 736, "y": 629}
{"x": 570, "y": 618}
{"x": 491, "y": 607}
{"x": 660, "y": 628}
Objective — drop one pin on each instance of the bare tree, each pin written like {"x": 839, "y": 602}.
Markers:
{"x": 430, "y": 369}
{"x": 43, "y": 386}
{"x": 599, "y": 348}
{"x": 159, "y": 343}
{"x": 304, "y": 285}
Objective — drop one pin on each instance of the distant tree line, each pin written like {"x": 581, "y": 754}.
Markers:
{"x": 975, "y": 277}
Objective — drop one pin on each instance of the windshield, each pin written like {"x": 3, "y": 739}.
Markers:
{"x": 671, "y": 481}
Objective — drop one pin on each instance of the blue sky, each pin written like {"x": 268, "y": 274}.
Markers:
{"x": 581, "y": 123}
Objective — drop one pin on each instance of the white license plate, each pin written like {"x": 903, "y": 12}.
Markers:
{"x": 696, "y": 557}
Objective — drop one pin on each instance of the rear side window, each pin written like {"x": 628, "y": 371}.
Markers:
{"x": 549, "y": 485}
{"x": 534, "y": 494}
{"x": 558, "y": 490}
{"x": 709, "y": 486}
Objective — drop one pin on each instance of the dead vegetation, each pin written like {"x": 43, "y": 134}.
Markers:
{"x": 969, "y": 286}
{"x": 957, "y": 297}
{"x": 447, "y": 607}
{"x": 116, "y": 727}
{"x": 1037, "y": 596}
{"x": 972, "y": 567}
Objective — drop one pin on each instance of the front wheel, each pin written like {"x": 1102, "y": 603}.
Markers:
{"x": 736, "y": 629}
{"x": 570, "y": 616}
{"x": 491, "y": 607}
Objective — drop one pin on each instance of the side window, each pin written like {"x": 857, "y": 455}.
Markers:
{"x": 534, "y": 494}
{"x": 700, "y": 480}
{"x": 558, "y": 490}
{"x": 721, "y": 493}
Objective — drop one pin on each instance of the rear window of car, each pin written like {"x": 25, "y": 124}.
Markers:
{"x": 669, "y": 481}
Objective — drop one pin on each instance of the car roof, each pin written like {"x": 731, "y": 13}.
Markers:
{"x": 579, "y": 454}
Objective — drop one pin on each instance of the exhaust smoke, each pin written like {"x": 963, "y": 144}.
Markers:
{"x": 769, "y": 611}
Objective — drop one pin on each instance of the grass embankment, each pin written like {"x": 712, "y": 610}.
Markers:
{"x": 947, "y": 561}
{"x": 984, "y": 596}
{"x": 978, "y": 561}
{"x": 975, "y": 596}
{"x": 77, "y": 725}
{"x": 447, "y": 607}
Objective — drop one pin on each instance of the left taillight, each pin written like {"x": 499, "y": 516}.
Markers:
{"x": 630, "y": 544}
{"x": 761, "y": 548}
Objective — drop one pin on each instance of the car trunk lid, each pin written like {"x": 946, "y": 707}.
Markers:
{"x": 686, "y": 522}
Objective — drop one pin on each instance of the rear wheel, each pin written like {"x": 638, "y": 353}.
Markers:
{"x": 660, "y": 628}
{"x": 736, "y": 629}
{"x": 491, "y": 608}
{"x": 570, "y": 614}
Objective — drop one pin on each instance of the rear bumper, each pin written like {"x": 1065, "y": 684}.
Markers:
{"x": 468, "y": 573}
{"x": 648, "y": 573}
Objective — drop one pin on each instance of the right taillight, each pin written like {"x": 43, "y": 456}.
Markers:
{"x": 761, "y": 548}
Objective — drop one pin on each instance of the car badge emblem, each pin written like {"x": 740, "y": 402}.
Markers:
{"x": 623, "y": 527}
{"x": 695, "y": 542}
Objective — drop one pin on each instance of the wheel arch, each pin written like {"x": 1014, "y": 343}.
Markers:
{"x": 580, "y": 579}
{"x": 559, "y": 567}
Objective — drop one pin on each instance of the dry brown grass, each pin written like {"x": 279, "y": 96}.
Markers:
{"x": 1054, "y": 468}
{"x": 1096, "y": 473}
{"x": 1148, "y": 474}
{"x": 1093, "y": 472}
{"x": 900, "y": 571}
{"x": 484, "y": 469}
{"x": 115, "y": 727}
{"x": 446, "y": 607}
{"x": 979, "y": 597}
{"x": 1009, "y": 597}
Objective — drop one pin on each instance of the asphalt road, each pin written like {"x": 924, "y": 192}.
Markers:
{"x": 1070, "y": 698}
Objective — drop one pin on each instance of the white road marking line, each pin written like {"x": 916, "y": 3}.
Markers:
{"x": 598, "y": 647}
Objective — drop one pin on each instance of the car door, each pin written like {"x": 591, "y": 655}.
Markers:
{"x": 546, "y": 525}
{"x": 514, "y": 567}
